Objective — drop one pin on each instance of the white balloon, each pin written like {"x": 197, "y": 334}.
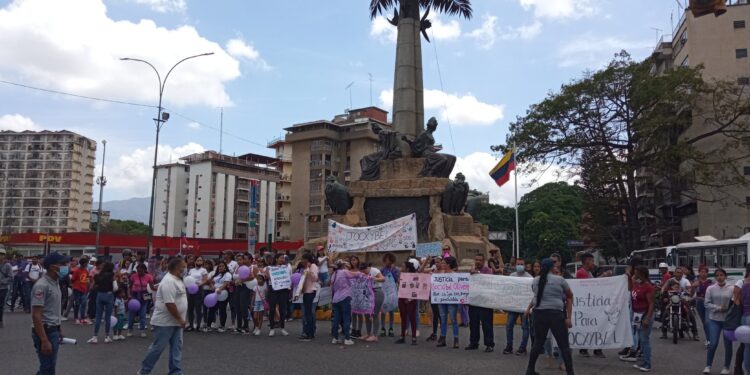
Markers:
{"x": 189, "y": 280}
{"x": 223, "y": 296}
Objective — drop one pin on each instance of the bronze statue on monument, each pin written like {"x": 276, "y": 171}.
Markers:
{"x": 389, "y": 150}
{"x": 435, "y": 164}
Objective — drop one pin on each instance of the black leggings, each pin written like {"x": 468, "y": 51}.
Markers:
{"x": 544, "y": 321}
{"x": 435, "y": 318}
{"x": 195, "y": 309}
{"x": 221, "y": 307}
{"x": 243, "y": 296}
{"x": 278, "y": 298}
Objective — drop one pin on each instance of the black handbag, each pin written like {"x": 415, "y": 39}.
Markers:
{"x": 733, "y": 319}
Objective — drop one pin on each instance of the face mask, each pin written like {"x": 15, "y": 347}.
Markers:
{"x": 64, "y": 271}
{"x": 520, "y": 268}
{"x": 638, "y": 281}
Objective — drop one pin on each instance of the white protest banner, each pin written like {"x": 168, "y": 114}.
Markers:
{"x": 450, "y": 288}
{"x": 323, "y": 296}
{"x": 298, "y": 291}
{"x": 399, "y": 234}
{"x": 507, "y": 293}
{"x": 363, "y": 296}
{"x": 280, "y": 278}
{"x": 601, "y": 317}
{"x": 429, "y": 249}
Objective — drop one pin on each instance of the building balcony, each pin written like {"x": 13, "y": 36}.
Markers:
{"x": 280, "y": 217}
{"x": 286, "y": 178}
{"x": 283, "y": 198}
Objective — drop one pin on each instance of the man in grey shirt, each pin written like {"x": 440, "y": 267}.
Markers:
{"x": 6, "y": 277}
{"x": 46, "y": 307}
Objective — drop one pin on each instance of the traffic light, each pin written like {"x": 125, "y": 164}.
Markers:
{"x": 702, "y": 7}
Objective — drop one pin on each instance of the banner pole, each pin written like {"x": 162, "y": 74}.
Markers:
{"x": 515, "y": 190}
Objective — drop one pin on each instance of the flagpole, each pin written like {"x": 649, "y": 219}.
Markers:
{"x": 515, "y": 190}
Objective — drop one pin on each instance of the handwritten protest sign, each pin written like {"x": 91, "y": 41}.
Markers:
{"x": 399, "y": 234}
{"x": 429, "y": 249}
{"x": 505, "y": 293}
{"x": 280, "y": 278}
{"x": 323, "y": 296}
{"x": 363, "y": 296}
{"x": 390, "y": 294}
{"x": 450, "y": 288}
{"x": 601, "y": 317}
{"x": 414, "y": 286}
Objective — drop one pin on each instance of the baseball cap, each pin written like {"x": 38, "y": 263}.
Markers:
{"x": 54, "y": 258}
{"x": 414, "y": 263}
{"x": 663, "y": 265}
{"x": 2, "y": 252}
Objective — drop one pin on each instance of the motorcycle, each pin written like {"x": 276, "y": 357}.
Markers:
{"x": 679, "y": 318}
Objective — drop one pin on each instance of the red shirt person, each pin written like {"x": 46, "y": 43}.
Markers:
{"x": 80, "y": 280}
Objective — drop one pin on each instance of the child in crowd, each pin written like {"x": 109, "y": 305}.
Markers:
{"x": 119, "y": 313}
{"x": 259, "y": 304}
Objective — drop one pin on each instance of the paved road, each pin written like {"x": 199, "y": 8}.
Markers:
{"x": 230, "y": 354}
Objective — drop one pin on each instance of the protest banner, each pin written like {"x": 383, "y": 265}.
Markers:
{"x": 298, "y": 290}
{"x": 507, "y": 293}
{"x": 414, "y": 286}
{"x": 450, "y": 288}
{"x": 395, "y": 235}
{"x": 601, "y": 316}
{"x": 323, "y": 296}
{"x": 280, "y": 278}
{"x": 390, "y": 295}
{"x": 429, "y": 249}
{"x": 363, "y": 295}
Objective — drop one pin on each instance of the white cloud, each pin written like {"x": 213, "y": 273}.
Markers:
{"x": 383, "y": 31}
{"x": 590, "y": 51}
{"x": 486, "y": 35}
{"x": 164, "y": 6}
{"x": 194, "y": 125}
{"x": 17, "y": 123}
{"x": 524, "y": 32}
{"x": 561, "y": 9}
{"x": 74, "y": 46}
{"x": 241, "y": 50}
{"x": 458, "y": 110}
{"x": 476, "y": 167}
{"x": 131, "y": 174}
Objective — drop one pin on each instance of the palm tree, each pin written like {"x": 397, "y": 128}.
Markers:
{"x": 408, "y": 99}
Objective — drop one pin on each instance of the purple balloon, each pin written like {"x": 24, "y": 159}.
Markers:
{"x": 192, "y": 289}
{"x": 295, "y": 278}
{"x": 742, "y": 333}
{"x": 134, "y": 305}
{"x": 729, "y": 335}
{"x": 210, "y": 300}
{"x": 244, "y": 272}
{"x": 112, "y": 321}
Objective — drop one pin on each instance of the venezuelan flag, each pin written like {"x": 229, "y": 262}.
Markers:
{"x": 501, "y": 172}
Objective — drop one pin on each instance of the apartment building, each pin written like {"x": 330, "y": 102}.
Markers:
{"x": 312, "y": 151}
{"x": 46, "y": 181}
{"x": 721, "y": 44}
{"x": 207, "y": 195}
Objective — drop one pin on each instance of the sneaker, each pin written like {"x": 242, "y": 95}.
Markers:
{"x": 284, "y": 332}
{"x": 335, "y": 341}
{"x": 707, "y": 370}
{"x": 93, "y": 340}
{"x": 256, "y": 332}
{"x": 382, "y": 332}
{"x": 584, "y": 353}
{"x": 77, "y": 322}
{"x": 642, "y": 368}
{"x": 115, "y": 338}
{"x": 348, "y": 342}
{"x": 204, "y": 329}
{"x": 107, "y": 340}
{"x": 122, "y": 338}
{"x": 624, "y": 352}
{"x": 489, "y": 349}
{"x": 508, "y": 350}
{"x": 390, "y": 332}
{"x": 725, "y": 371}
{"x": 272, "y": 332}
{"x": 304, "y": 338}
{"x": 599, "y": 354}
{"x": 221, "y": 330}
{"x": 521, "y": 351}
{"x": 64, "y": 319}
{"x": 143, "y": 334}
{"x": 130, "y": 333}
{"x": 400, "y": 341}
{"x": 630, "y": 357}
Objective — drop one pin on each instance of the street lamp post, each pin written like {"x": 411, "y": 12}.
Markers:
{"x": 101, "y": 181}
{"x": 161, "y": 118}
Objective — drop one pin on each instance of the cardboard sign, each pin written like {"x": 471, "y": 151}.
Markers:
{"x": 507, "y": 293}
{"x": 280, "y": 278}
{"x": 601, "y": 314}
{"x": 429, "y": 249}
{"x": 323, "y": 296}
{"x": 414, "y": 286}
{"x": 450, "y": 288}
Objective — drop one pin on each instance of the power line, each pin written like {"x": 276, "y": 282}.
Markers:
{"x": 445, "y": 103}
{"x": 130, "y": 104}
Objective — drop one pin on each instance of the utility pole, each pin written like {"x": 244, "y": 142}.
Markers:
{"x": 221, "y": 130}
{"x": 101, "y": 181}
{"x": 371, "y": 79}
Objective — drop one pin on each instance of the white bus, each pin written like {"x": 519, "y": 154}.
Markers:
{"x": 653, "y": 257}
{"x": 731, "y": 255}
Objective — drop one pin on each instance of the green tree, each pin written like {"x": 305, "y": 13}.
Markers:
{"x": 497, "y": 217}
{"x": 620, "y": 121}
{"x": 130, "y": 227}
{"x": 408, "y": 90}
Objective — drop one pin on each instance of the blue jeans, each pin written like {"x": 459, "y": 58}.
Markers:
{"x": 26, "y": 296}
{"x": 714, "y": 336}
{"x": 746, "y": 353}
{"x": 445, "y": 310}
{"x": 701, "y": 308}
{"x": 80, "y": 300}
{"x": 342, "y": 315}
{"x": 104, "y": 304}
{"x": 512, "y": 317}
{"x": 164, "y": 336}
{"x": 46, "y": 363}
{"x": 644, "y": 340}
{"x": 323, "y": 278}
{"x": 141, "y": 313}
{"x": 308, "y": 314}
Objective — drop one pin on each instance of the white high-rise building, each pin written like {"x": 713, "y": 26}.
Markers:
{"x": 208, "y": 196}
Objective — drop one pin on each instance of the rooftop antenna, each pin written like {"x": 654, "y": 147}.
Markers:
{"x": 349, "y": 87}
{"x": 371, "y": 80}
{"x": 657, "y": 31}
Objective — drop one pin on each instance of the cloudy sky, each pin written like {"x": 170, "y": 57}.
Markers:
{"x": 277, "y": 63}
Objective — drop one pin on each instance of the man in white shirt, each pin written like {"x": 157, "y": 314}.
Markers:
{"x": 168, "y": 319}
